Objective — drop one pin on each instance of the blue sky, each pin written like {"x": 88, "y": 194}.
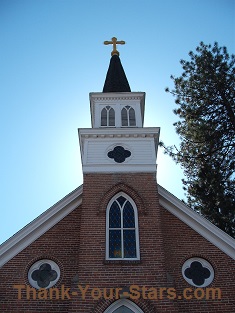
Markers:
{"x": 52, "y": 56}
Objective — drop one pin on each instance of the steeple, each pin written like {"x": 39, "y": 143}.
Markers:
{"x": 117, "y": 141}
{"x": 116, "y": 80}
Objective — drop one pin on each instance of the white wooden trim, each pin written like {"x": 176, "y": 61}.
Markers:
{"x": 201, "y": 225}
{"x": 97, "y": 98}
{"x": 205, "y": 264}
{"x": 117, "y": 168}
{"x": 105, "y": 137}
{"x": 57, "y": 212}
{"x": 36, "y": 266}
{"x": 40, "y": 225}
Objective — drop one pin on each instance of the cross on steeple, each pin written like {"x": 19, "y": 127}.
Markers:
{"x": 114, "y": 42}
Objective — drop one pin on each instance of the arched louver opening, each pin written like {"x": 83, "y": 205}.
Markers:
{"x": 111, "y": 117}
{"x": 107, "y": 116}
{"x": 124, "y": 117}
{"x": 128, "y": 116}
{"x": 132, "y": 121}
{"x": 104, "y": 117}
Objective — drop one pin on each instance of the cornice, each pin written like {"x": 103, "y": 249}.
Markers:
{"x": 118, "y": 135}
{"x": 111, "y": 132}
{"x": 114, "y": 96}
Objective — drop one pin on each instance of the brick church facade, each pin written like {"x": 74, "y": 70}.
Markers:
{"x": 120, "y": 243}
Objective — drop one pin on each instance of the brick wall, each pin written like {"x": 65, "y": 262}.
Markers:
{"x": 60, "y": 244}
{"x": 77, "y": 245}
{"x": 182, "y": 243}
{"x": 93, "y": 269}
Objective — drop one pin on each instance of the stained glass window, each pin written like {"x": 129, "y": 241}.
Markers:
{"x": 122, "y": 229}
{"x": 44, "y": 275}
{"x": 115, "y": 216}
{"x": 123, "y": 306}
{"x": 123, "y": 309}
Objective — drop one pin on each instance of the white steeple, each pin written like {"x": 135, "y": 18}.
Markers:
{"x": 117, "y": 141}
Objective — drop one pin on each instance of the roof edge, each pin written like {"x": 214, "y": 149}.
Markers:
{"x": 197, "y": 222}
{"x": 61, "y": 209}
{"x": 40, "y": 225}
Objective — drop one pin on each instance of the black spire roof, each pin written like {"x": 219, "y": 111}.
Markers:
{"x": 116, "y": 80}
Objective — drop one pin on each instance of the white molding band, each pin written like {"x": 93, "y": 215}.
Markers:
{"x": 142, "y": 143}
{"x": 201, "y": 225}
{"x": 40, "y": 225}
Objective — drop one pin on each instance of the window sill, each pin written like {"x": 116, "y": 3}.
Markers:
{"x": 129, "y": 262}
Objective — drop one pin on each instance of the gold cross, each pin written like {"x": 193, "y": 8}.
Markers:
{"x": 114, "y": 42}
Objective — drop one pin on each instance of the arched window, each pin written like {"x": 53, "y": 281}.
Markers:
{"x": 107, "y": 116}
{"x": 128, "y": 116}
{"x": 123, "y": 306}
{"x": 122, "y": 229}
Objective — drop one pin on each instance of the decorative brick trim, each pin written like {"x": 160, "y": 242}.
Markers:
{"x": 144, "y": 305}
{"x": 101, "y": 306}
{"x": 129, "y": 191}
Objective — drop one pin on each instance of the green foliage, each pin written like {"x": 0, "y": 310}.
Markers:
{"x": 205, "y": 98}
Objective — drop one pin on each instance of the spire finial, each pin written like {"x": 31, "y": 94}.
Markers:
{"x": 114, "y": 42}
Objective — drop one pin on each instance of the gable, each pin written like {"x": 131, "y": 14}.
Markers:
{"x": 57, "y": 212}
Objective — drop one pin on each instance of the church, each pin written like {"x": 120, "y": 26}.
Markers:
{"x": 119, "y": 243}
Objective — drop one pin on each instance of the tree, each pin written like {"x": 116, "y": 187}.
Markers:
{"x": 205, "y": 96}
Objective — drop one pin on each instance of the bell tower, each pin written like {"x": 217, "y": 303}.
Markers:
{"x": 117, "y": 141}
{"x": 121, "y": 239}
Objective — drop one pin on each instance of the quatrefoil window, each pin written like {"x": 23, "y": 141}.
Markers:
{"x": 119, "y": 154}
{"x": 43, "y": 274}
{"x": 198, "y": 272}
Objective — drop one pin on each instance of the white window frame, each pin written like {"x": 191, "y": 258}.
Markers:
{"x": 205, "y": 264}
{"x": 118, "y": 118}
{"x": 128, "y": 115}
{"x": 115, "y": 113}
{"x": 129, "y": 304}
{"x": 136, "y": 229}
{"x": 36, "y": 266}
